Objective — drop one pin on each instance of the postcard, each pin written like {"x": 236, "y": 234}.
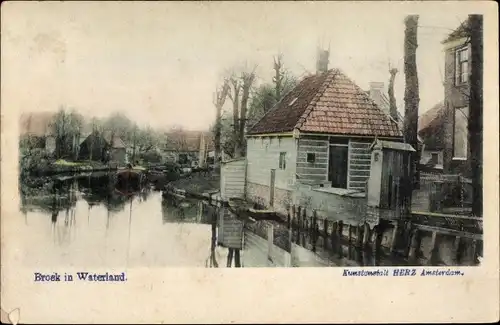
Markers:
{"x": 249, "y": 162}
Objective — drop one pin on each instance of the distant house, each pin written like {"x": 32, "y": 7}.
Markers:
{"x": 102, "y": 147}
{"x": 37, "y": 128}
{"x": 444, "y": 127}
{"x": 187, "y": 146}
{"x": 378, "y": 93}
{"x": 431, "y": 131}
{"x": 319, "y": 133}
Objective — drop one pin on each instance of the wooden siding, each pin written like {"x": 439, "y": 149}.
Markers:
{"x": 359, "y": 163}
{"x": 263, "y": 155}
{"x": 317, "y": 171}
{"x": 233, "y": 179}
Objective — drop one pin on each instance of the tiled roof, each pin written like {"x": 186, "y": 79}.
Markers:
{"x": 431, "y": 127}
{"x": 328, "y": 103}
{"x": 426, "y": 119}
{"x": 117, "y": 142}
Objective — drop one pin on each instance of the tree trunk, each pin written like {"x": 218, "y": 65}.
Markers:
{"x": 392, "y": 98}
{"x": 220, "y": 99}
{"x": 236, "y": 115}
{"x": 247, "y": 84}
{"x": 475, "y": 125}
{"x": 278, "y": 78}
{"x": 411, "y": 94}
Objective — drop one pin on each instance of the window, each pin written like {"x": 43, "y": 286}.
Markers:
{"x": 311, "y": 157}
{"x": 460, "y": 133}
{"x": 282, "y": 161}
{"x": 461, "y": 66}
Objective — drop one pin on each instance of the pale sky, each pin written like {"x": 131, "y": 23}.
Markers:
{"x": 159, "y": 63}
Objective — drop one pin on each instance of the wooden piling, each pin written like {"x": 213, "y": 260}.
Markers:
{"x": 359, "y": 235}
{"x": 340, "y": 228}
{"x": 415, "y": 244}
{"x": 334, "y": 229}
{"x": 394, "y": 240}
{"x": 270, "y": 240}
{"x": 230, "y": 257}
{"x": 350, "y": 234}
{"x": 434, "y": 248}
{"x": 457, "y": 247}
{"x": 304, "y": 219}
{"x": 366, "y": 235}
{"x": 325, "y": 228}
{"x": 378, "y": 232}
{"x": 474, "y": 252}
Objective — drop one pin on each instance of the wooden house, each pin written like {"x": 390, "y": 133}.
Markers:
{"x": 318, "y": 135}
{"x": 184, "y": 146}
{"x": 103, "y": 147}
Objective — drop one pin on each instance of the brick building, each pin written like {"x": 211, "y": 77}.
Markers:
{"x": 456, "y": 153}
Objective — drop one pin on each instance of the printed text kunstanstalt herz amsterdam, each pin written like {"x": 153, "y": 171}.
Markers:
{"x": 82, "y": 276}
{"x": 403, "y": 272}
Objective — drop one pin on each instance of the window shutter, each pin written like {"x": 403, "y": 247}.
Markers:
{"x": 457, "y": 67}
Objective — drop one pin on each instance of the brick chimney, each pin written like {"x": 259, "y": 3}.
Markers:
{"x": 376, "y": 89}
{"x": 322, "y": 61}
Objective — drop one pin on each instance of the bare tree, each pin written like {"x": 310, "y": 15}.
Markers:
{"x": 278, "y": 74}
{"x": 247, "y": 82}
{"x": 392, "y": 98}
{"x": 220, "y": 99}
{"x": 66, "y": 127}
{"x": 234, "y": 95}
{"x": 411, "y": 92}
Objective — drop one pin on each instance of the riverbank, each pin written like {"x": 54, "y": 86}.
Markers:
{"x": 197, "y": 183}
{"x": 63, "y": 166}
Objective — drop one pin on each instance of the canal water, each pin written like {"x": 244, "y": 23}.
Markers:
{"x": 84, "y": 221}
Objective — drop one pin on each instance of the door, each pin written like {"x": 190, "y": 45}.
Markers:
{"x": 337, "y": 169}
{"x": 271, "y": 187}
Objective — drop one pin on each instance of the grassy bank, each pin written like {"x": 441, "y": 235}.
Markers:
{"x": 198, "y": 183}
{"x": 62, "y": 166}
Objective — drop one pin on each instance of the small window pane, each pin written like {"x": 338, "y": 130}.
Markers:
{"x": 282, "y": 160}
{"x": 311, "y": 157}
{"x": 462, "y": 55}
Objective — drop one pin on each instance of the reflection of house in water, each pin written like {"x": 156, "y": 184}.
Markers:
{"x": 99, "y": 189}
{"x": 183, "y": 210}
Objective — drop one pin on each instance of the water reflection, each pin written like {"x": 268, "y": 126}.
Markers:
{"x": 88, "y": 222}
{"x": 84, "y": 220}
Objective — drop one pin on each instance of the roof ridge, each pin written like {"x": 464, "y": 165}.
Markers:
{"x": 331, "y": 76}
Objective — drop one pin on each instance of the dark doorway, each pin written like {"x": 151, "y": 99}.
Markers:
{"x": 337, "y": 168}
